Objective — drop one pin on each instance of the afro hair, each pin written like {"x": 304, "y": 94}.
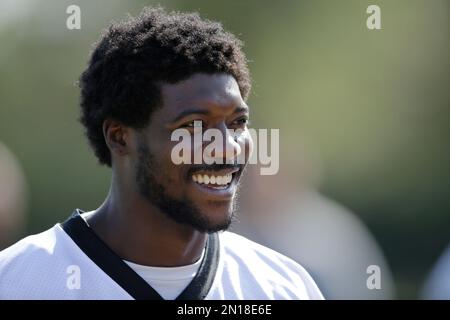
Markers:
{"x": 133, "y": 57}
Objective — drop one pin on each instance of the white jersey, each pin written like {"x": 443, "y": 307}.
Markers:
{"x": 69, "y": 261}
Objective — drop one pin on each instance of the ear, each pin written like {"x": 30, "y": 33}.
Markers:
{"x": 117, "y": 137}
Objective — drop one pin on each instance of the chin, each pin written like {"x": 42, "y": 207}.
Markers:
{"x": 215, "y": 217}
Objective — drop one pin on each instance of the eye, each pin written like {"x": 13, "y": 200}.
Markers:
{"x": 244, "y": 121}
{"x": 194, "y": 124}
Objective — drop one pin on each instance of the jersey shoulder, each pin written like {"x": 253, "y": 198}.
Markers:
{"x": 28, "y": 249}
{"x": 50, "y": 265}
{"x": 267, "y": 265}
{"x": 28, "y": 265}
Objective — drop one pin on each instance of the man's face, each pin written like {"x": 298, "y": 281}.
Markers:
{"x": 182, "y": 191}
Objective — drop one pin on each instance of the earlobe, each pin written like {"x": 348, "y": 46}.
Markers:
{"x": 115, "y": 135}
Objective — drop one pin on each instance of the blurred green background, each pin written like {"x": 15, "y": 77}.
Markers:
{"x": 372, "y": 105}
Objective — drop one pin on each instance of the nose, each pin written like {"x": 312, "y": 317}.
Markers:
{"x": 230, "y": 148}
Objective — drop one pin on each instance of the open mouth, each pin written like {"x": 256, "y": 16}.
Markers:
{"x": 213, "y": 181}
{"x": 220, "y": 182}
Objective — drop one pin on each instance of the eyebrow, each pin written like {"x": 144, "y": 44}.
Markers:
{"x": 241, "y": 108}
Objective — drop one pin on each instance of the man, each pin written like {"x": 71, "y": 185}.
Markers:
{"x": 157, "y": 234}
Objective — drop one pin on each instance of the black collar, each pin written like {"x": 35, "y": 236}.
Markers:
{"x": 103, "y": 256}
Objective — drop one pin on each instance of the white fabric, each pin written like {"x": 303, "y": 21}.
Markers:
{"x": 168, "y": 282}
{"x": 50, "y": 265}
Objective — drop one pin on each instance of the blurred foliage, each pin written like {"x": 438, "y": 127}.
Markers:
{"x": 373, "y": 105}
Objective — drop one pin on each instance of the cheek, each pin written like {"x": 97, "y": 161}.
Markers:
{"x": 245, "y": 141}
{"x": 164, "y": 171}
{"x": 173, "y": 174}
{"x": 160, "y": 166}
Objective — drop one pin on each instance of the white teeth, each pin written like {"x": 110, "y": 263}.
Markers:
{"x": 216, "y": 180}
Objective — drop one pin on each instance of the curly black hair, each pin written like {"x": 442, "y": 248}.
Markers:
{"x": 133, "y": 57}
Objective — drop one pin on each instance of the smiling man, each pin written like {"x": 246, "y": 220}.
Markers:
{"x": 160, "y": 233}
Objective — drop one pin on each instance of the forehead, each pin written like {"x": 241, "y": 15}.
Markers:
{"x": 202, "y": 91}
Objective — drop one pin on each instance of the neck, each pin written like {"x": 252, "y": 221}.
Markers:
{"x": 139, "y": 232}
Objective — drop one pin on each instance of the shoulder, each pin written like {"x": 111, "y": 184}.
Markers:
{"x": 237, "y": 245}
{"x": 38, "y": 245}
{"x": 27, "y": 263}
{"x": 266, "y": 264}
